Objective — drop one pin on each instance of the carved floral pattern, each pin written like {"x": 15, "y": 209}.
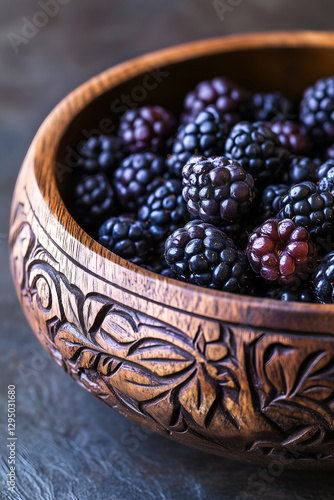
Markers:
{"x": 145, "y": 367}
{"x": 294, "y": 388}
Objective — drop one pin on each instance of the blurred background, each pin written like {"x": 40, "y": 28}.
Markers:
{"x": 71, "y": 446}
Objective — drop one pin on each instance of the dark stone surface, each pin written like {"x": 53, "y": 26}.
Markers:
{"x": 69, "y": 445}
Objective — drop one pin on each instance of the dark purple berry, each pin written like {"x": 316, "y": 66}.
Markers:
{"x": 128, "y": 238}
{"x": 271, "y": 105}
{"x": 281, "y": 252}
{"x": 146, "y": 129}
{"x": 324, "y": 280}
{"x": 310, "y": 208}
{"x": 231, "y": 100}
{"x": 302, "y": 169}
{"x": 217, "y": 189}
{"x": 292, "y": 136}
{"x": 133, "y": 179}
{"x": 165, "y": 209}
{"x": 204, "y": 136}
{"x": 317, "y": 110}
{"x": 94, "y": 200}
{"x": 258, "y": 149}
{"x": 202, "y": 254}
{"x": 100, "y": 154}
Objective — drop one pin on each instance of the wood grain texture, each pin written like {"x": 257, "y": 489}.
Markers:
{"x": 237, "y": 376}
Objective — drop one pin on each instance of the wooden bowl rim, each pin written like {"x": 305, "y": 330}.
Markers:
{"x": 77, "y": 100}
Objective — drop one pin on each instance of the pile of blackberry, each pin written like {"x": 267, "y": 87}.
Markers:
{"x": 235, "y": 194}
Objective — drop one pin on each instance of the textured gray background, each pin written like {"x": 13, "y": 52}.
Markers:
{"x": 70, "y": 446}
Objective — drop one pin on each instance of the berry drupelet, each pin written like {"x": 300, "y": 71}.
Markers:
{"x": 303, "y": 293}
{"x": 271, "y": 199}
{"x": 126, "y": 237}
{"x": 281, "y": 252}
{"x": 216, "y": 189}
{"x": 165, "y": 210}
{"x": 100, "y": 154}
{"x": 317, "y": 110}
{"x": 324, "y": 168}
{"x": 258, "y": 149}
{"x": 147, "y": 128}
{"x": 267, "y": 106}
{"x": 327, "y": 182}
{"x": 324, "y": 280}
{"x": 231, "y": 100}
{"x": 133, "y": 179}
{"x": 292, "y": 136}
{"x": 309, "y": 208}
{"x": 202, "y": 254}
{"x": 93, "y": 200}
{"x": 204, "y": 136}
{"x": 302, "y": 169}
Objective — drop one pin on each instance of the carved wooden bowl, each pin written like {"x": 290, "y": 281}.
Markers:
{"x": 243, "y": 377}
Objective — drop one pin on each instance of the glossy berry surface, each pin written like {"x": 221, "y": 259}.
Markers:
{"x": 132, "y": 180}
{"x": 146, "y": 129}
{"x": 302, "y": 169}
{"x": 292, "y": 136}
{"x": 202, "y": 254}
{"x": 324, "y": 280}
{"x": 230, "y": 99}
{"x": 204, "y": 136}
{"x": 281, "y": 252}
{"x": 216, "y": 189}
{"x": 93, "y": 199}
{"x": 127, "y": 238}
{"x": 317, "y": 110}
{"x": 165, "y": 209}
{"x": 258, "y": 149}
{"x": 327, "y": 182}
{"x": 309, "y": 208}
{"x": 100, "y": 154}
{"x": 303, "y": 293}
{"x": 267, "y": 106}
{"x": 271, "y": 200}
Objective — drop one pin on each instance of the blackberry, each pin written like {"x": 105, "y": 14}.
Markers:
{"x": 292, "y": 136}
{"x": 204, "y": 136}
{"x": 202, "y": 254}
{"x": 133, "y": 179}
{"x": 147, "y": 128}
{"x": 281, "y": 252}
{"x": 302, "y": 169}
{"x": 126, "y": 237}
{"x": 258, "y": 149}
{"x": 327, "y": 182}
{"x": 309, "y": 208}
{"x": 323, "y": 169}
{"x": 165, "y": 209}
{"x": 217, "y": 189}
{"x": 271, "y": 105}
{"x": 317, "y": 110}
{"x": 94, "y": 200}
{"x": 231, "y": 100}
{"x": 324, "y": 280}
{"x": 303, "y": 293}
{"x": 100, "y": 154}
{"x": 271, "y": 199}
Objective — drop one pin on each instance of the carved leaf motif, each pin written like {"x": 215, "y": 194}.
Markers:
{"x": 72, "y": 301}
{"x": 294, "y": 382}
{"x": 148, "y": 366}
{"x": 21, "y": 243}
